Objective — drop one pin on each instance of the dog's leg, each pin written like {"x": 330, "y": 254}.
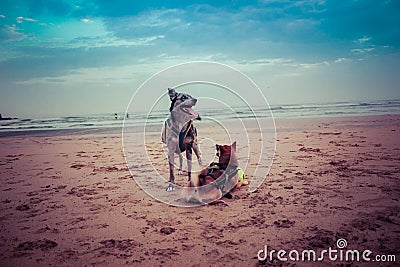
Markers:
{"x": 197, "y": 153}
{"x": 180, "y": 164}
{"x": 189, "y": 160}
{"x": 196, "y": 147}
{"x": 191, "y": 193}
{"x": 171, "y": 155}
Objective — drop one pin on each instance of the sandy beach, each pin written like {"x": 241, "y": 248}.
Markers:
{"x": 70, "y": 200}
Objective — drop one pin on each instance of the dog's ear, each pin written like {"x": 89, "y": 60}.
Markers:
{"x": 234, "y": 146}
{"x": 172, "y": 93}
{"x": 217, "y": 147}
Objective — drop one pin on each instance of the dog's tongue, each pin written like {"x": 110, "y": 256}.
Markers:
{"x": 195, "y": 114}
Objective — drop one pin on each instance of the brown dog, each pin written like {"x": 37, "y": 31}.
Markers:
{"x": 217, "y": 180}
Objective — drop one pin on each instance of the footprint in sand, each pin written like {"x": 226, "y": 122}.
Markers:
{"x": 167, "y": 230}
{"x": 285, "y": 223}
{"x": 22, "y": 207}
{"x": 321, "y": 239}
{"x": 43, "y": 245}
{"x": 77, "y": 166}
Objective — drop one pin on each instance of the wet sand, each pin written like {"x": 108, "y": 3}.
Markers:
{"x": 70, "y": 200}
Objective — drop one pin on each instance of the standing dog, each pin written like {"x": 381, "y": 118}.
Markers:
{"x": 180, "y": 133}
{"x": 217, "y": 180}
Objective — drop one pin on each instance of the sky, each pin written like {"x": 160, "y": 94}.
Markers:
{"x": 60, "y": 57}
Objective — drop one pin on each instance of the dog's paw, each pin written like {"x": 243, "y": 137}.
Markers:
{"x": 194, "y": 197}
{"x": 170, "y": 188}
{"x": 180, "y": 172}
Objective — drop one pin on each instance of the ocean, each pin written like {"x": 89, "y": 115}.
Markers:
{"x": 107, "y": 120}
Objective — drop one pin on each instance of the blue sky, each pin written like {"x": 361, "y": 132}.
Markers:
{"x": 61, "y": 57}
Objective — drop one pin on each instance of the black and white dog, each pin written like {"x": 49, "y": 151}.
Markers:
{"x": 180, "y": 134}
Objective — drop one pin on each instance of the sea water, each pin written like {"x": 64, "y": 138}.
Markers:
{"x": 108, "y": 120}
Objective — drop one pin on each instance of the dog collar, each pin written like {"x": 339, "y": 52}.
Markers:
{"x": 169, "y": 124}
{"x": 181, "y": 134}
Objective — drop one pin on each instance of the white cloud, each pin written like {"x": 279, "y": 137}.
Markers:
{"x": 11, "y": 34}
{"x": 313, "y": 65}
{"x": 151, "y": 22}
{"x": 108, "y": 40}
{"x": 175, "y": 59}
{"x": 362, "y": 50}
{"x": 94, "y": 76}
{"x": 342, "y": 59}
{"x": 86, "y": 20}
{"x": 30, "y": 19}
{"x": 310, "y": 6}
{"x": 21, "y": 19}
{"x": 159, "y": 18}
{"x": 269, "y": 61}
{"x": 87, "y": 33}
{"x": 363, "y": 40}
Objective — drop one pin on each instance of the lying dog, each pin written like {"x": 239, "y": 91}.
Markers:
{"x": 217, "y": 180}
{"x": 180, "y": 134}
